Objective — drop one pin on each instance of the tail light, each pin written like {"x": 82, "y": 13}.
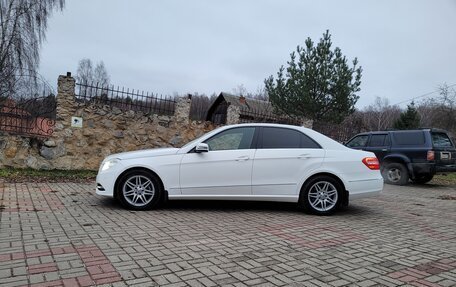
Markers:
{"x": 430, "y": 155}
{"x": 371, "y": 163}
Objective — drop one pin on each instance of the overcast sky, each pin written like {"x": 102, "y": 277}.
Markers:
{"x": 406, "y": 48}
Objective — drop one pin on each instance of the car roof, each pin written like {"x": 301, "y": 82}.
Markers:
{"x": 400, "y": 131}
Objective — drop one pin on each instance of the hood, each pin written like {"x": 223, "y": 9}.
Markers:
{"x": 145, "y": 153}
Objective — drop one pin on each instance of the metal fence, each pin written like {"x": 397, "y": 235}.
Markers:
{"x": 29, "y": 116}
{"x": 125, "y": 99}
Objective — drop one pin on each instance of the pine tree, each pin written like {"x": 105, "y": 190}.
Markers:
{"x": 409, "y": 119}
{"x": 318, "y": 83}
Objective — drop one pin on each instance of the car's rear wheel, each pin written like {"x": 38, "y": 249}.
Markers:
{"x": 423, "y": 178}
{"x": 395, "y": 173}
{"x": 321, "y": 195}
{"x": 139, "y": 190}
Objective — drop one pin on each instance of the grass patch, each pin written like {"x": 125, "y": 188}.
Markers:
{"x": 449, "y": 179}
{"x": 32, "y": 175}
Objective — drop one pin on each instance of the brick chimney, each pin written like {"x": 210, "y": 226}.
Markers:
{"x": 242, "y": 100}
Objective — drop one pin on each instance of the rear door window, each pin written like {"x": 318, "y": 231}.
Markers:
{"x": 378, "y": 140}
{"x": 441, "y": 140}
{"x": 281, "y": 138}
{"x": 409, "y": 138}
{"x": 358, "y": 141}
{"x": 286, "y": 138}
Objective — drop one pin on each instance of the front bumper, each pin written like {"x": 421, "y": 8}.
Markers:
{"x": 106, "y": 180}
{"x": 104, "y": 186}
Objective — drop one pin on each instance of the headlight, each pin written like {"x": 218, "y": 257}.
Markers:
{"x": 109, "y": 163}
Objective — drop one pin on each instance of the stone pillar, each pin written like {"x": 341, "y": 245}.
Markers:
{"x": 66, "y": 106}
{"x": 307, "y": 123}
{"x": 182, "y": 111}
{"x": 54, "y": 149}
{"x": 233, "y": 114}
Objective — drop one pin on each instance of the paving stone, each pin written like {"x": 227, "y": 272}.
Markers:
{"x": 77, "y": 237}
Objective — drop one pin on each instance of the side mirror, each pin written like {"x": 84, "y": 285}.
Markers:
{"x": 201, "y": 147}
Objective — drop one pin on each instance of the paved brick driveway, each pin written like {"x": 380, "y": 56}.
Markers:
{"x": 63, "y": 234}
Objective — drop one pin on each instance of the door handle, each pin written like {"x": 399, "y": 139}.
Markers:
{"x": 384, "y": 149}
{"x": 243, "y": 158}
{"x": 304, "y": 156}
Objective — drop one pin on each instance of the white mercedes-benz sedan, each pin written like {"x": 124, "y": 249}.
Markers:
{"x": 268, "y": 162}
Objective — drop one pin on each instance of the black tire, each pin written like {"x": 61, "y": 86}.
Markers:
{"x": 423, "y": 178}
{"x": 147, "y": 197}
{"x": 395, "y": 173}
{"x": 305, "y": 199}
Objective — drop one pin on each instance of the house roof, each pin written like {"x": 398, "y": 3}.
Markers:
{"x": 248, "y": 105}
{"x": 9, "y": 107}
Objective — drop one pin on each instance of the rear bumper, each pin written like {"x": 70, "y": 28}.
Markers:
{"x": 445, "y": 168}
{"x": 364, "y": 188}
{"x": 431, "y": 168}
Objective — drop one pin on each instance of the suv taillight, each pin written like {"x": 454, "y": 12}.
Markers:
{"x": 371, "y": 163}
{"x": 430, "y": 155}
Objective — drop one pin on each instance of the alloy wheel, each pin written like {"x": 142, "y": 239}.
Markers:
{"x": 323, "y": 196}
{"x": 138, "y": 190}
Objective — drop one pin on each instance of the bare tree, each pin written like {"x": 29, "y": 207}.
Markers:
{"x": 86, "y": 74}
{"x": 85, "y": 71}
{"x": 23, "y": 24}
{"x": 440, "y": 112}
{"x": 100, "y": 75}
{"x": 240, "y": 90}
{"x": 259, "y": 94}
{"x": 380, "y": 115}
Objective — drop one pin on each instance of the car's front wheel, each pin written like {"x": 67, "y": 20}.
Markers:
{"x": 321, "y": 195}
{"x": 139, "y": 190}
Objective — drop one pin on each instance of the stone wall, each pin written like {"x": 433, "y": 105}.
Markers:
{"x": 105, "y": 130}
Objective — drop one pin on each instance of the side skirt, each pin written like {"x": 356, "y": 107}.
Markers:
{"x": 290, "y": 198}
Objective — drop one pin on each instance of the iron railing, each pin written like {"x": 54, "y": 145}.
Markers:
{"x": 124, "y": 99}
{"x": 28, "y": 116}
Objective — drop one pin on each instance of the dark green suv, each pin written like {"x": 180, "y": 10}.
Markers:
{"x": 405, "y": 155}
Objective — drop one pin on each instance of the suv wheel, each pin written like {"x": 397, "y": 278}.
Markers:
{"x": 423, "y": 178}
{"x": 395, "y": 173}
